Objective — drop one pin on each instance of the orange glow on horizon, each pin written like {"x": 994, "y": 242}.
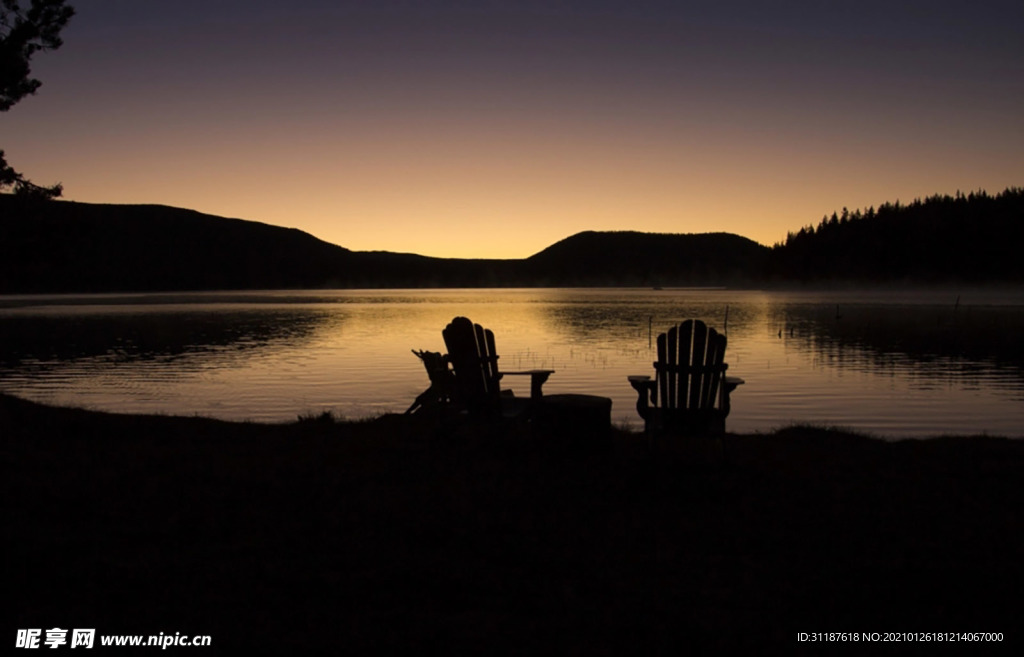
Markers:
{"x": 485, "y": 134}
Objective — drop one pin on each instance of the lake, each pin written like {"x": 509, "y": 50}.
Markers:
{"x": 900, "y": 363}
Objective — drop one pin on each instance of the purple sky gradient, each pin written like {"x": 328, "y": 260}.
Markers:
{"x": 492, "y": 129}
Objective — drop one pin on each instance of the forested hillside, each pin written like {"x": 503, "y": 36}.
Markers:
{"x": 973, "y": 238}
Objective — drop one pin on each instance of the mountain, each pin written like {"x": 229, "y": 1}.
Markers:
{"x": 62, "y": 246}
{"x": 632, "y": 258}
{"x": 78, "y": 247}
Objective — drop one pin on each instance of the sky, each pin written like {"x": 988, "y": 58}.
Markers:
{"x": 495, "y": 128}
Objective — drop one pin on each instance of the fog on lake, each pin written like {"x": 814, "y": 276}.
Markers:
{"x": 898, "y": 363}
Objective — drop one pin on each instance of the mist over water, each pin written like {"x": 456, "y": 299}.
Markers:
{"x": 901, "y": 364}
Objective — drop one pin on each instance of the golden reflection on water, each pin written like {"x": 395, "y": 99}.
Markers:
{"x": 900, "y": 364}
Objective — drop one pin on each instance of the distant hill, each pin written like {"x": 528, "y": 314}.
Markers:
{"x": 73, "y": 247}
{"x": 65, "y": 246}
{"x": 648, "y": 259}
{"x": 80, "y": 247}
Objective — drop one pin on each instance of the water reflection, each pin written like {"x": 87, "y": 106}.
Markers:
{"x": 972, "y": 345}
{"x": 163, "y": 334}
{"x": 921, "y": 333}
{"x": 892, "y": 363}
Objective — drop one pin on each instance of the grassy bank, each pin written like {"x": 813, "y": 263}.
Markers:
{"x": 411, "y": 535}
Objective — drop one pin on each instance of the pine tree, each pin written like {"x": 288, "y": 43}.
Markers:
{"x": 24, "y": 31}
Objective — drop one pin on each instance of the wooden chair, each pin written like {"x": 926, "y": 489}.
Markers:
{"x": 474, "y": 361}
{"x": 689, "y": 394}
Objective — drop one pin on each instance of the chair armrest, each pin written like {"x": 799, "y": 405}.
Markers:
{"x": 640, "y": 383}
{"x": 537, "y": 379}
{"x": 731, "y": 382}
{"x": 647, "y": 393}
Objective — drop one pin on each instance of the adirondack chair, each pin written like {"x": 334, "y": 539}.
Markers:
{"x": 477, "y": 380}
{"x": 690, "y": 392}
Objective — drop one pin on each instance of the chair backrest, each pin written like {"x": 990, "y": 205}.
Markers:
{"x": 690, "y": 368}
{"x": 474, "y": 360}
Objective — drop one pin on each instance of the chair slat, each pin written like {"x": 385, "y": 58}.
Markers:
{"x": 683, "y": 358}
{"x": 672, "y": 400}
{"x": 714, "y": 369}
{"x": 464, "y": 354}
{"x": 700, "y": 339}
{"x": 662, "y": 377}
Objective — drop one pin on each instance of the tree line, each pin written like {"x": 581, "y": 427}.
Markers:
{"x": 974, "y": 237}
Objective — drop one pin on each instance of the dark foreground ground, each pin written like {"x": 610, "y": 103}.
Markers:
{"x": 355, "y": 538}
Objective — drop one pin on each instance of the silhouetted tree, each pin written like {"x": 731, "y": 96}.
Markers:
{"x": 973, "y": 238}
{"x": 24, "y": 31}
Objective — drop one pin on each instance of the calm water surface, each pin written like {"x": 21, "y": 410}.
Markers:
{"x": 896, "y": 364}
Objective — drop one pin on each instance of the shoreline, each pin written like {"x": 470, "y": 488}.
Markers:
{"x": 390, "y": 534}
{"x": 823, "y": 286}
{"x": 631, "y": 426}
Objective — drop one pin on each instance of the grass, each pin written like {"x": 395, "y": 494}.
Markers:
{"x": 398, "y": 534}
{"x": 324, "y": 417}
